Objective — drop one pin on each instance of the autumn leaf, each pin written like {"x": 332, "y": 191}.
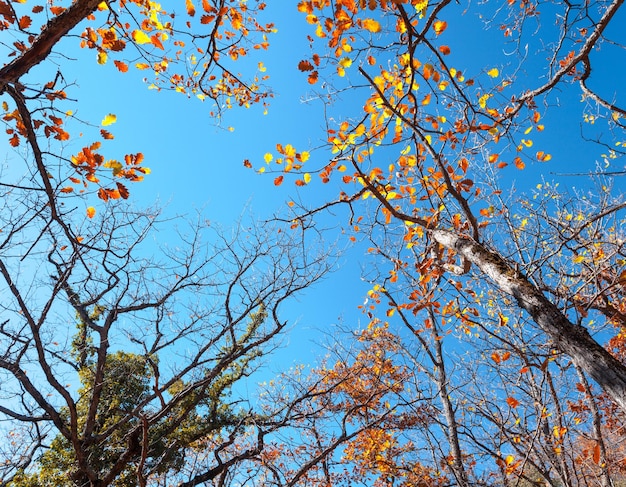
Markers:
{"x": 156, "y": 42}
{"x": 109, "y": 120}
{"x": 312, "y": 79}
{"x": 439, "y": 26}
{"x": 91, "y": 212}
{"x": 445, "y": 50}
{"x": 511, "y": 401}
{"x": 596, "y": 453}
{"x": 25, "y": 22}
{"x": 371, "y": 25}
{"x": 247, "y": 163}
{"x": 106, "y": 134}
{"x": 519, "y": 163}
{"x": 278, "y": 181}
{"x": 102, "y": 57}
{"x": 140, "y": 37}
{"x": 191, "y": 10}
{"x": 123, "y": 190}
{"x": 122, "y": 66}
{"x": 494, "y": 73}
{"x": 305, "y": 65}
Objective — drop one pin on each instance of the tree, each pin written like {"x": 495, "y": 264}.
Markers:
{"x": 452, "y": 101}
{"x": 450, "y": 138}
{"x": 153, "y": 366}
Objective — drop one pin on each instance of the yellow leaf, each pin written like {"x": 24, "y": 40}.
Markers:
{"x": 307, "y": 178}
{"x": 421, "y": 5}
{"x": 102, "y": 57}
{"x": 109, "y": 119}
{"x": 304, "y": 156}
{"x": 578, "y": 259}
{"x": 91, "y": 211}
{"x": 268, "y": 157}
{"x": 140, "y": 37}
{"x": 494, "y": 73}
{"x": 371, "y": 25}
{"x": 346, "y": 62}
{"x": 440, "y": 26}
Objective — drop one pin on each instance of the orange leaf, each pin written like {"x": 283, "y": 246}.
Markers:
{"x": 300, "y": 182}
{"x": 596, "y": 454}
{"x": 278, "y": 181}
{"x": 191, "y": 10}
{"x": 106, "y": 134}
{"x": 123, "y": 67}
{"x": 312, "y": 79}
{"x": 57, "y": 10}
{"x": 440, "y": 26}
{"x": 496, "y": 357}
{"x": 247, "y": 163}
{"x": 91, "y": 212}
{"x": 67, "y": 189}
{"x": 506, "y": 356}
{"x": 519, "y": 163}
{"x": 37, "y": 9}
{"x": 445, "y": 50}
{"x": 156, "y": 42}
{"x": 25, "y": 22}
{"x": 347, "y": 179}
{"x": 511, "y": 401}
{"x": 580, "y": 387}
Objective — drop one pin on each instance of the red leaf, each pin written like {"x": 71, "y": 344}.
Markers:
{"x": 278, "y": 181}
{"x": 511, "y": 401}
{"x": 305, "y": 65}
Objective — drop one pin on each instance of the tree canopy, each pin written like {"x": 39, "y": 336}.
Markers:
{"x": 493, "y": 346}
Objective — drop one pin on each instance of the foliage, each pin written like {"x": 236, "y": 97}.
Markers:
{"x": 503, "y": 298}
{"x": 484, "y": 357}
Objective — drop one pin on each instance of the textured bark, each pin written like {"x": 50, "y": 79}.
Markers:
{"x": 567, "y": 337}
{"x": 57, "y": 28}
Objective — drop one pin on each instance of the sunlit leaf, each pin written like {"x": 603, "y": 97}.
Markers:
{"x": 91, "y": 212}
{"x": 439, "y": 26}
{"x": 371, "y": 25}
{"x": 140, "y": 37}
{"x": 122, "y": 66}
{"x": 109, "y": 119}
{"x": 494, "y": 72}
